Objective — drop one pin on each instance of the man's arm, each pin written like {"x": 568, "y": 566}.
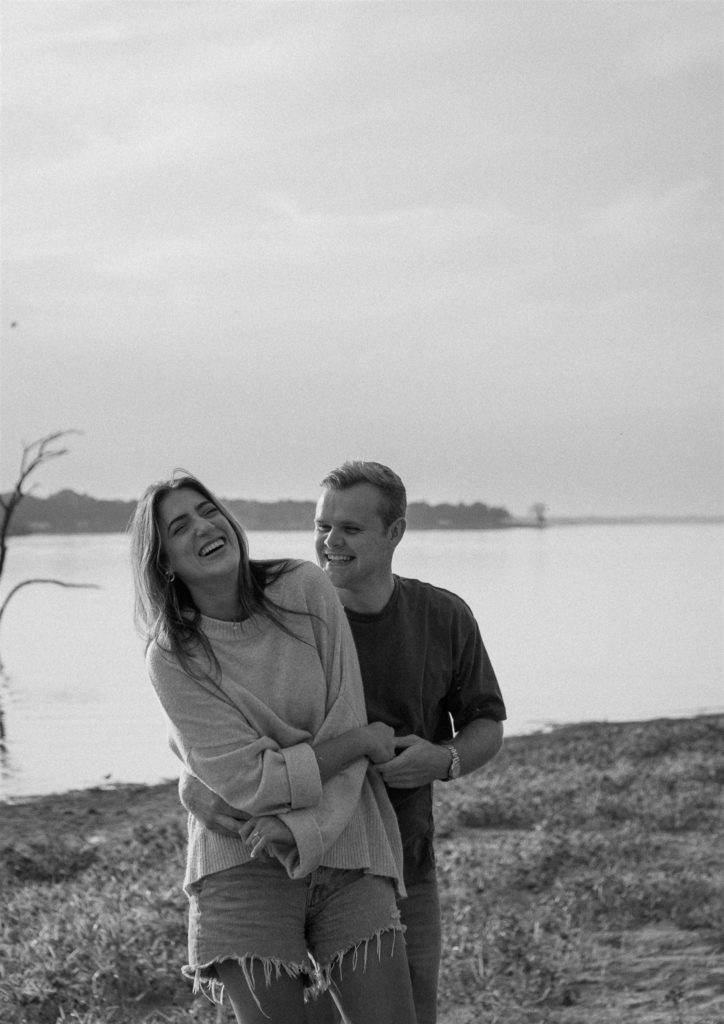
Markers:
{"x": 421, "y": 762}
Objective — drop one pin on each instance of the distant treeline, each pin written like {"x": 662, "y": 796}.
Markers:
{"x": 68, "y": 512}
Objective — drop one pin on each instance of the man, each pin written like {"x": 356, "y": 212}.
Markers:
{"x": 425, "y": 670}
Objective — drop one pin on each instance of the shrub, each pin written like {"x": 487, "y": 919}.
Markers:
{"x": 46, "y": 860}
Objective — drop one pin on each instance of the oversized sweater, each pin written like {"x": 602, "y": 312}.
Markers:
{"x": 249, "y": 736}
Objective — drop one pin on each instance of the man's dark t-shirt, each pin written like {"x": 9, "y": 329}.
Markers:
{"x": 423, "y": 663}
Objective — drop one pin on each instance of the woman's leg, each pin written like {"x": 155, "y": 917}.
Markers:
{"x": 245, "y": 921}
{"x": 374, "y": 987}
{"x": 282, "y": 1000}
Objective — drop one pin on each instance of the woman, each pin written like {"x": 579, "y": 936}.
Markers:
{"x": 256, "y": 670}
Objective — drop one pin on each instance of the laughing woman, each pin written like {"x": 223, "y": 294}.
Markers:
{"x": 255, "y": 667}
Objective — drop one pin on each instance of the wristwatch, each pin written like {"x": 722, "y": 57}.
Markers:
{"x": 455, "y": 767}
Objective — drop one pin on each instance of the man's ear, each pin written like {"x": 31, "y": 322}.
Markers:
{"x": 396, "y": 531}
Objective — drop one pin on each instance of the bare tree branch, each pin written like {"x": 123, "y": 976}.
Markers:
{"x": 42, "y": 579}
{"x": 34, "y": 455}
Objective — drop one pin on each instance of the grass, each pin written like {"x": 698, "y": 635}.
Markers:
{"x": 580, "y": 876}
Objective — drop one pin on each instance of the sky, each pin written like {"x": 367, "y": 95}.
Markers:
{"x": 480, "y": 242}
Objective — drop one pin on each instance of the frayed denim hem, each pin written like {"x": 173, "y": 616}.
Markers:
{"x": 317, "y": 978}
{"x": 209, "y": 985}
{"x": 322, "y": 977}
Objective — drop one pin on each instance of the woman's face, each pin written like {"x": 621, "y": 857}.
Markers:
{"x": 197, "y": 539}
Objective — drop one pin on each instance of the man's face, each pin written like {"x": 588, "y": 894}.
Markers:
{"x": 353, "y": 545}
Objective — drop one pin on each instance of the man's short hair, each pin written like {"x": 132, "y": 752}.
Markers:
{"x": 393, "y": 497}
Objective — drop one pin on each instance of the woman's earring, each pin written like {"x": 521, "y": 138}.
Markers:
{"x": 170, "y": 576}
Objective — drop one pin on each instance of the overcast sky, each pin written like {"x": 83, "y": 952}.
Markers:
{"x": 480, "y": 242}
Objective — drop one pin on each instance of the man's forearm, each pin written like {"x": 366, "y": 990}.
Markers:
{"x": 420, "y": 762}
{"x": 477, "y": 743}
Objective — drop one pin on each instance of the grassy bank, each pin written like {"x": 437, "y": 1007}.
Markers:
{"x": 581, "y": 877}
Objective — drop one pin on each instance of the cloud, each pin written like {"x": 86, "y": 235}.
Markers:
{"x": 673, "y": 38}
{"x": 427, "y": 230}
{"x": 642, "y": 220}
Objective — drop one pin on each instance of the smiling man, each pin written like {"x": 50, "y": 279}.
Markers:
{"x": 425, "y": 672}
{"x": 356, "y": 531}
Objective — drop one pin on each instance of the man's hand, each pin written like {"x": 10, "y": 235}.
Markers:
{"x": 211, "y": 810}
{"x": 419, "y": 763}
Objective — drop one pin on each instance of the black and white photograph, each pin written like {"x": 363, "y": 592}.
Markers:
{"x": 362, "y": 511}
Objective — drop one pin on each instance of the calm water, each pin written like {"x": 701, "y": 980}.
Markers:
{"x": 582, "y": 623}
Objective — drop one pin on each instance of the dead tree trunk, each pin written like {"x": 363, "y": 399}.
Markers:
{"x": 35, "y": 454}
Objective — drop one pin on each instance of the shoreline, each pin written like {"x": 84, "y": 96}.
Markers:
{"x": 546, "y": 729}
{"x": 514, "y": 523}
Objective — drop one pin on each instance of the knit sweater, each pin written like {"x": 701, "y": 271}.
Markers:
{"x": 249, "y": 736}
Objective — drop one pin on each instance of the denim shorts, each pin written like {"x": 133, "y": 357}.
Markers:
{"x": 300, "y": 926}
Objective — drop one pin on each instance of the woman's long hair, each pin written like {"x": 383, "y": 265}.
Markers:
{"x": 164, "y": 609}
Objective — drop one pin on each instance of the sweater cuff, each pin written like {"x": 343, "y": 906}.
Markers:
{"x": 309, "y": 849}
{"x": 305, "y": 783}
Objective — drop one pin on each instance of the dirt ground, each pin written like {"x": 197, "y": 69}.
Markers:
{"x": 656, "y": 975}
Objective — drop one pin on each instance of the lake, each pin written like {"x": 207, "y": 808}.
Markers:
{"x": 582, "y": 623}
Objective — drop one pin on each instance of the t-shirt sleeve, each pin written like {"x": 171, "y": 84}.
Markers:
{"x": 474, "y": 691}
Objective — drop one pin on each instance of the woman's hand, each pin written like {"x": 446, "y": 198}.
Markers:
{"x": 260, "y": 833}
{"x": 379, "y": 741}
